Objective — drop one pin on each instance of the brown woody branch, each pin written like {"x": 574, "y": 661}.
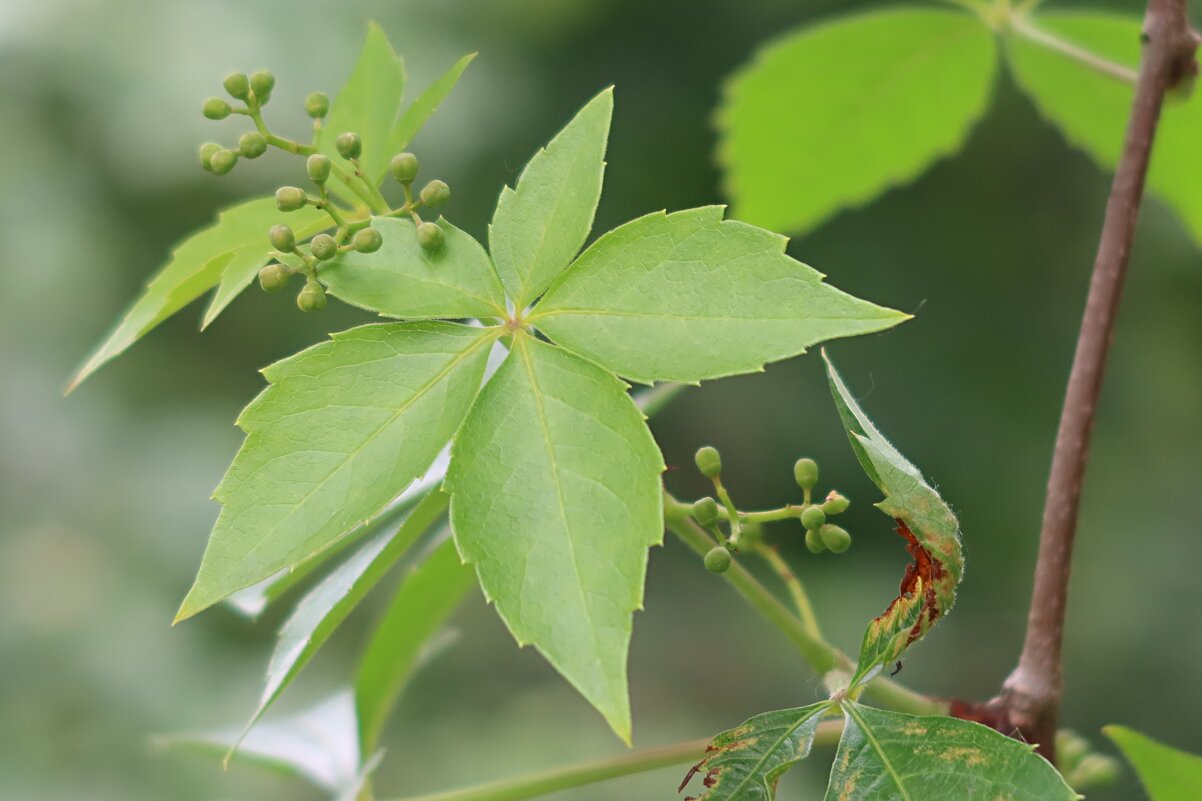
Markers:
{"x": 1030, "y": 700}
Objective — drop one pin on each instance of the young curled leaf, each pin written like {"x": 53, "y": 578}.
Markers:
{"x": 932, "y": 534}
{"x": 746, "y": 763}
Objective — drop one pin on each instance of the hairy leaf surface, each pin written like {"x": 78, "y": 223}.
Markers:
{"x": 833, "y": 115}
{"x": 368, "y": 105}
{"x": 555, "y": 499}
{"x": 429, "y": 594}
{"x": 1091, "y": 109}
{"x": 687, "y": 296}
{"x": 324, "y": 607}
{"x": 342, "y": 428}
{"x": 932, "y": 534}
{"x": 747, "y": 762}
{"x": 425, "y": 105}
{"x": 890, "y": 756}
{"x": 403, "y": 279}
{"x": 1167, "y": 773}
{"x": 542, "y": 223}
{"x": 237, "y": 239}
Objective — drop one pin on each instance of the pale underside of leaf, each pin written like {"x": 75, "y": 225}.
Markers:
{"x": 368, "y": 105}
{"x": 541, "y": 224}
{"x": 555, "y": 499}
{"x": 402, "y": 279}
{"x": 890, "y": 756}
{"x": 1091, "y": 109}
{"x": 688, "y": 296}
{"x": 929, "y": 527}
{"x": 747, "y": 762}
{"x": 831, "y": 116}
{"x": 196, "y": 266}
{"x": 341, "y": 430}
{"x": 1167, "y": 773}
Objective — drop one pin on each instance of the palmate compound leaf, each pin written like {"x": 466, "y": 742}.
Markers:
{"x": 555, "y": 499}
{"x": 932, "y": 535}
{"x": 833, "y": 115}
{"x": 342, "y": 428}
{"x": 236, "y": 242}
{"x": 1166, "y": 773}
{"x": 322, "y": 609}
{"x": 541, "y": 224}
{"x": 403, "y": 279}
{"x": 1091, "y": 109}
{"x": 746, "y": 762}
{"x": 687, "y": 296}
{"x": 430, "y": 592}
{"x": 890, "y": 756}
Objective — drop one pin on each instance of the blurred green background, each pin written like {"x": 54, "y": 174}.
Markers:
{"x": 103, "y": 496}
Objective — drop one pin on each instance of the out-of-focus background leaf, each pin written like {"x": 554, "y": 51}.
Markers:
{"x": 104, "y": 504}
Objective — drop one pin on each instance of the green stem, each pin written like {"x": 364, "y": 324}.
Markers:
{"x": 1022, "y": 26}
{"x": 797, "y": 591}
{"x": 821, "y": 655}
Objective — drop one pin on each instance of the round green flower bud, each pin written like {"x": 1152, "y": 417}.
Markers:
{"x": 835, "y": 504}
{"x": 430, "y": 236}
{"x": 1070, "y": 748}
{"x": 289, "y": 198}
{"x": 206, "y": 153}
{"x": 312, "y": 297}
{"x": 367, "y": 241}
{"x": 222, "y": 161}
{"x": 323, "y": 247}
{"x": 403, "y": 167}
{"x": 317, "y": 105}
{"x": 349, "y": 145}
{"x": 805, "y": 473}
{"x": 835, "y": 538}
{"x": 717, "y": 560}
{"x": 814, "y": 542}
{"x": 812, "y": 517}
{"x": 708, "y": 461}
{"x": 705, "y": 511}
{"x": 435, "y": 193}
{"x": 261, "y": 83}
{"x": 282, "y": 238}
{"x": 318, "y": 166}
{"x": 1094, "y": 770}
{"x": 238, "y": 85}
{"x": 216, "y": 108}
{"x": 274, "y": 277}
{"x": 252, "y": 144}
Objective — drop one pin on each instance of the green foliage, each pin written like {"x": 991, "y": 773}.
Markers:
{"x": 891, "y": 755}
{"x": 1167, "y": 773}
{"x": 343, "y": 427}
{"x": 688, "y": 296}
{"x": 555, "y": 491}
{"x": 425, "y": 104}
{"x": 833, "y": 115}
{"x": 748, "y": 761}
{"x": 430, "y": 592}
{"x": 541, "y": 223}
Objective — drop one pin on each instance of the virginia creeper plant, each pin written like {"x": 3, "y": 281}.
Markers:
{"x": 486, "y": 436}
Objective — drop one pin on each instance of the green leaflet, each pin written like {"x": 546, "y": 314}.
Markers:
{"x": 427, "y": 103}
{"x": 1091, "y": 109}
{"x": 368, "y": 104}
{"x": 324, "y": 608}
{"x": 343, "y": 427}
{"x": 932, "y": 534}
{"x": 890, "y": 756}
{"x": 688, "y": 296}
{"x": 197, "y": 264}
{"x": 541, "y": 224}
{"x": 1167, "y": 773}
{"x": 402, "y": 279}
{"x": 429, "y": 594}
{"x": 555, "y": 499}
{"x": 833, "y": 115}
{"x": 746, "y": 763}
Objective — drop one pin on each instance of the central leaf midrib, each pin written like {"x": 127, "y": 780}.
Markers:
{"x": 759, "y": 765}
{"x": 850, "y": 709}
